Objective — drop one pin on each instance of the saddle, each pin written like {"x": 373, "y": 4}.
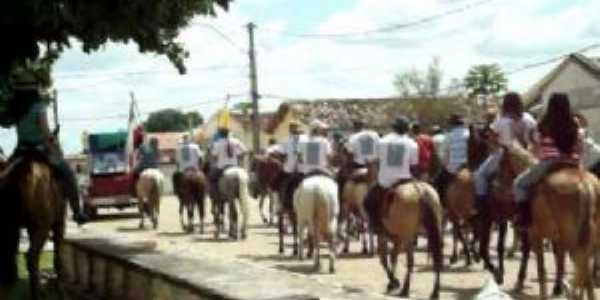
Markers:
{"x": 360, "y": 175}
{"x": 388, "y": 195}
{"x": 318, "y": 173}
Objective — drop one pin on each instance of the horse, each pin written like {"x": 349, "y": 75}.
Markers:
{"x": 234, "y": 192}
{"x": 407, "y": 208}
{"x": 563, "y": 210}
{"x": 459, "y": 198}
{"x": 149, "y": 189}
{"x": 191, "y": 191}
{"x": 268, "y": 170}
{"x": 34, "y": 201}
{"x": 316, "y": 206}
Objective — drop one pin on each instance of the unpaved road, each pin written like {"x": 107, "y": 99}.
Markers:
{"x": 353, "y": 270}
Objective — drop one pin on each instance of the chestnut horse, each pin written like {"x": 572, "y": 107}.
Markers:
{"x": 36, "y": 201}
{"x": 406, "y": 208}
{"x": 563, "y": 208}
{"x": 268, "y": 171}
{"x": 191, "y": 190}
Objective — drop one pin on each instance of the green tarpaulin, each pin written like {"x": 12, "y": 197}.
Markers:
{"x": 108, "y": 142}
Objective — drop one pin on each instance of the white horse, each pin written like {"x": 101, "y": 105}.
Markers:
{"x": 234, "y": 192}
{"x": 317, "y": 208}
{"x": 149, "y": 190}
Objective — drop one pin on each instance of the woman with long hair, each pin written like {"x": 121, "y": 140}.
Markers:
{"x": 558, "y": 139}
{"x": 513, "y": 124}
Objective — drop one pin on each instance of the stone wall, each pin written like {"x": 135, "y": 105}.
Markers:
{"x": 115, "y": 268}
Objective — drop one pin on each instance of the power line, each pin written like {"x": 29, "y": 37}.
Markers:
{"x": 392, "y": 27}
{"x": 552, "y": 60}
{"x": 223, "y": 35}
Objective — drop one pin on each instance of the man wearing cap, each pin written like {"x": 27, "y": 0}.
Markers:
{"x": 291, "y": 168}
{"x": 397, "y": 160}
{"x": 315, "y": 151}
{"x": 455, "y": 156}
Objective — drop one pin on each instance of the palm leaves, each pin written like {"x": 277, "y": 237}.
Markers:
{"x": 485, "y": 80}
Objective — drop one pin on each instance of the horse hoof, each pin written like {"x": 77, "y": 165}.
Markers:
{"x": 265, "y": 221}
{"x": 453, "y": 259}
{"x": 558, "y": 290}
{"x": 392, "y": 285}
{"x": 519, "y": 287}
{"x": 435, "y": 296}
{"x": 365, "y": 251}
{"x": 499, "y": 278}
{"x": 404, "y": 293}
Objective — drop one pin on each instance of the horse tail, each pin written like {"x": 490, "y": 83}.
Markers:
{"x": 584, "y": 227}
{"x": 432, "y": 219}
{"x": 244, "y": 193}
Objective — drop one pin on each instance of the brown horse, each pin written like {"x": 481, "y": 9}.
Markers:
{"x": 268, "y": 170}
{"x": 40, "y": 208}
{"x": 406, "y": 208}
{"x": 563, "y": 207}
{"x": 191, "y": 187}
{"x": 459, "y": 198}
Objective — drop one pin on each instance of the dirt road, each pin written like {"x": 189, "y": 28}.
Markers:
{"x": 354, "y": 271}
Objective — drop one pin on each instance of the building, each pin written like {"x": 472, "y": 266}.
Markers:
{"x": 579, "y": 77}
{"x": 167, "y": 145}
{"x": 240, "y": 126}
{"x": 376, "y": 113}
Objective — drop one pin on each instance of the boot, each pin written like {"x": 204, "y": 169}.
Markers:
{"x": 523, "y": 214}
{"x": 71, "y": 192}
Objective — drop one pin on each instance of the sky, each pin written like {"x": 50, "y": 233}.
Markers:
{"x": 316, "y": 49}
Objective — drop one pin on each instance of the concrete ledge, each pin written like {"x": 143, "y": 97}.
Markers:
{"x": 111, "y": 267}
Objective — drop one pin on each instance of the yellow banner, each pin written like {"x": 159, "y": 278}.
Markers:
{"x": 224, "y": 119}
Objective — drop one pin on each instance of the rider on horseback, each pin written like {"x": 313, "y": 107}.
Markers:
{"x": 361, "y": 145}
{"x": 228, "y": 152}
{"x": 315, "y": 151}
{"x": 188, "y": 157}
{"x": 397, "y": 160}
{"x": 558, "y": 140}
{"x": 34, "y": 135}
{"x": 455, "y": 153}
{"x": 148, "y": 157}
{"x": 292, "y": 175}
{"x": 513, "y": 125}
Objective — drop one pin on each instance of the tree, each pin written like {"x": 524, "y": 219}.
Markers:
{"x": 485, "y": 80}
{"x": 420, "y": 83}
{"x": 171, "y": 120}
{"x": 33, "y": 29}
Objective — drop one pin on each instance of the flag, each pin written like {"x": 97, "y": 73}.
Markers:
{"x": 224, "y": 119}
{"x": 131, "y": 127}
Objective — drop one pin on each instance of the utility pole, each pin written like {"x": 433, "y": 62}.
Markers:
{"x": 253, "y": 89}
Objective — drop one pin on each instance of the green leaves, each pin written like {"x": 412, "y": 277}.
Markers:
{"x": 171, "y": 120}
{"x": 486, "y": 80}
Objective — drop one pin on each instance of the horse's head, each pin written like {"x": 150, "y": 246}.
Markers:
{"x": 477, "y": 147}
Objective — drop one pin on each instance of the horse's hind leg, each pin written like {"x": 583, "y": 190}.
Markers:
{"x": 58, "y": 233}
{"x": 233, "y": 220}
{"x": 393, "y": 282}
{"x": 37, "y": 240}
{"x": 454, "y": 256}
{"x": 525, "y": 250}
{"x": 502, "y": 228}
{"x": 463, "y": 241}
{"x": 201, "y": 212}
{"x": 410, "y": 262}
{"x": 280, "y": 227}
{"x": 538, "y": 247}
{"x": 191, "y": 216}
{"x": 559, "y": 258}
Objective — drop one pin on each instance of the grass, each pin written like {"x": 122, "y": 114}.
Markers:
{"x": 21, "y": 289}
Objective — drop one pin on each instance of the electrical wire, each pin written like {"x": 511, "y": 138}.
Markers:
{"x": 391, "y": 27}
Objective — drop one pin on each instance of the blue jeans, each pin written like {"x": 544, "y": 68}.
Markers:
{"x": 530, "y": 177}
{"x": 485, "y": 172}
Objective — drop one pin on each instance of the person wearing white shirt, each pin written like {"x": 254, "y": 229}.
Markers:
{"x": 274, "y": 148}
{"x": 513, "y": 125}
{"x": 439, "y": 142}
{"x": 362, "y": 145}
{"x": 454, "y": 157}
{"x": 188, "y": 155}
{"x": 227, "y": 152}
{"x": 397, "y": 161}
{"x": 291, "y": 176}
{"x": 315, "y": 151}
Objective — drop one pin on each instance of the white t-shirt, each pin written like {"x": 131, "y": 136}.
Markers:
{"x": 219, "y": 150}
{"x": 188, "y": 156}
{"x": 439, "y": 144}
{"x": 275, "y": 149}
{"x": 508, "y": 129}
{"x": 456, "y": 146}
{"x": 314, "y": 152}
{"x": 396, "y": 153}
{"x": 290, "y": 148}
{"x": 363, "y": 146}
